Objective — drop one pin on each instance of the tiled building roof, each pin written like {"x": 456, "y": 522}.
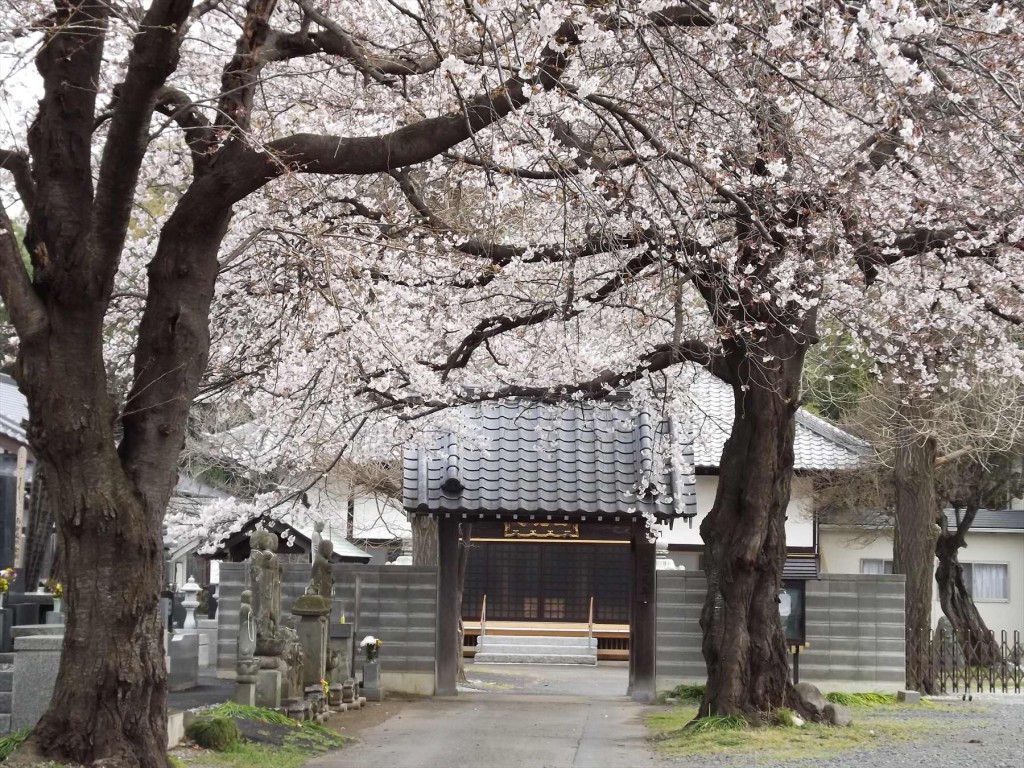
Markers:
{"x": 1001, "y": 520}
{"x": 577, "y": 460}
{"x": 818, "y": 445}
{"x": 590, "y": 459}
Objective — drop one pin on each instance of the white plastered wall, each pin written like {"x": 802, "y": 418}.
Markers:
{"x": 799, "y": 523}
{"x": 842, "y": 549}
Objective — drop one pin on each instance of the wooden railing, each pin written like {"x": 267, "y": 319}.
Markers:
{"x": 590, "y": 623}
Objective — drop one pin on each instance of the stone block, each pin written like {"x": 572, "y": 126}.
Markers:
{"x": 183, "y": 662}
{"x": 245, "y": 693}
{"x": 908, "y": 697}
{"x": 36, "y": 662}
{"x": 268, "y": 688}
{"x": 837, "y": 715}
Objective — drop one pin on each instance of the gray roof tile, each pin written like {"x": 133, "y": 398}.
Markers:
{"x": 583, "y": 459}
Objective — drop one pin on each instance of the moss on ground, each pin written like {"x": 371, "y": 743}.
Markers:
{"x": 810, "y": 741}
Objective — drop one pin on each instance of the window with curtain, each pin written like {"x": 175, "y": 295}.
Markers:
{"x": 987, "y": 581}
{"x": 876, "y": 567}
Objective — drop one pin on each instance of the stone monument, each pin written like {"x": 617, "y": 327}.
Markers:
{"x": 313, "y": 610}
{"x": 246, "y": 666}
{"x": 275, "y": 644}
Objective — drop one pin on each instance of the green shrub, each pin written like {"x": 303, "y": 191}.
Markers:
{"x": 216, "y": 733}
{"x": 687, "y": 692}
{"x": 12, "y": 741}
{"x": 861, "y": 699}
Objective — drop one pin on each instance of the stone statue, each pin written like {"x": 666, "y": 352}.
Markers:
{"x": 265, "y": 574}
{"x": 246, "y": 664}
{"x": 322, "y": 577}
{"x": 293, "y": 656}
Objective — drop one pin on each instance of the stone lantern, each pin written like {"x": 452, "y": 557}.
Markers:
{"x": 190, "y": 602}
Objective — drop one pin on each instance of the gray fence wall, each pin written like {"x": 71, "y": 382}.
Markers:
{"x": 397, "y": 604}
{"x": 854, "y": 631}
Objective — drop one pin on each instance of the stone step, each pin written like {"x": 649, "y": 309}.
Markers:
{"x": 537, "y": 640}
{"x": 547, "y": 650}
{"x": 6, "y": 680}
{"x": 533, "y": 658}
{"x": 33, "y": 630}
{"x": 5, "y": 724}
{"x": 5, "y": 702}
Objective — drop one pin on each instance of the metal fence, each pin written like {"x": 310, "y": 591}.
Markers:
{"x": 967, "y": 662}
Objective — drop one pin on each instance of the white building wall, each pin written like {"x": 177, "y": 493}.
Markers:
{"x": 842, "y": 550}
{"x": 799, "y": 525}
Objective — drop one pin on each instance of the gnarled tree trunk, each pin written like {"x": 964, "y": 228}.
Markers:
{"x": 978, "y": 645}
{"x": 914, "y": 539}
{"x": 745, "y": 538}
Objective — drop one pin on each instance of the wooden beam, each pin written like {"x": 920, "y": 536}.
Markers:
{"x": 448, "y": 607}
{"x": 642, "y": 617}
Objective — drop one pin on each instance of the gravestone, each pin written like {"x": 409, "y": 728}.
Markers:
{"x": 313, "y": 610}
{"x": 36, "y": 662}
{"x": 183, "y": 662}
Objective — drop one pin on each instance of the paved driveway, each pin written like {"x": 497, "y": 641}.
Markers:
{"x": 515, "y": 717}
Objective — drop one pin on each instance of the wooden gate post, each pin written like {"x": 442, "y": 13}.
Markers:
{"x": 642, "y": 616}
{"x": 447, "y": 606}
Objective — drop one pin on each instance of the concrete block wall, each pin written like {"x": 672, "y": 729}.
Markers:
{"x": 398, "y": 604}
{"x": 677, "y": 656}
{"x": 855, "y": 631}
{"x": 855, "y": 635}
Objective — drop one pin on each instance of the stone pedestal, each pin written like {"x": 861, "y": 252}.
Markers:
{"x": 36, "y": 661}
{"x": 371, "y": 687}
{"x": 313, "y": 611}
{"x": 343, "y": 649}
{"x": 245, "y": 693}
{"x": 268, "y": 688}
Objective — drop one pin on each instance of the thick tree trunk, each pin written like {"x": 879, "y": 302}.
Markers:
{"x": 978, "y": 645}
{"x": 745, "y": 539}
{"x": 424, "y": 540}
{"x": 108, "y": 702}
{"x": 914, "y": 539}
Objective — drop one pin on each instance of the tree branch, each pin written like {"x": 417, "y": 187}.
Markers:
{"x": 18, "y": 164}
{"x": 153, "y": 58}
{"x": 20, "y": 298}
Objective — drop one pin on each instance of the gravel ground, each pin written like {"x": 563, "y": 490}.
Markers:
{"x": 985, "y": 733}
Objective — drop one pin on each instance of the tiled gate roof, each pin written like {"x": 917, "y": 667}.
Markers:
{"x": 575, "y": 460}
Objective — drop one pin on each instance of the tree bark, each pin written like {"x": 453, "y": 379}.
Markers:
{"x": 424, "y": 540}
{"x": 978, "y": 645}
{"x": 914, "y": 538}
{"x": 745, "y": 538}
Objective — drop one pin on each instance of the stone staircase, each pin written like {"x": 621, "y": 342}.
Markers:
{"x": 535, "y": 649}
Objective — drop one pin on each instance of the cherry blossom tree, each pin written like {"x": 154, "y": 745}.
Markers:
{"x": 636, "y": 186}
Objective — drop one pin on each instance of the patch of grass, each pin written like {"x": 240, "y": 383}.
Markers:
{"x": 216, "y": 733}
{"x": 713, "y": 723}
{"x": 785, "y": 717}
{"x": 811, "y": 741}
{"x": 176, "y": 761}
{"x": 687, "y": 692}
{"x": 12, "y": 741}
{"x": 299, "y": 748}
{"x": 861, "y": 699}
{"x": 245, "y": 712}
